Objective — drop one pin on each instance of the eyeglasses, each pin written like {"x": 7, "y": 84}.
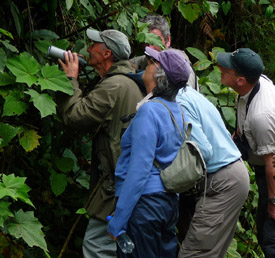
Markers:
{"x": 153, "y": 60}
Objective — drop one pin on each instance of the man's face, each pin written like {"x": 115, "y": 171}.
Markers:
{"x": 96, "y": 51}
{"x": 158, "y": 33}
{"x": 228, "y": 77}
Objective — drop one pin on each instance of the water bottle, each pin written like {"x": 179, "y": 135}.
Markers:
{"x": 124, "y": 242}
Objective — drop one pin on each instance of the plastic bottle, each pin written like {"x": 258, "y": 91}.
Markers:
{"x": 124, "y": 242}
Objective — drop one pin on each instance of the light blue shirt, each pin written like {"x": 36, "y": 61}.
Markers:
{"x": 208, "y": 129}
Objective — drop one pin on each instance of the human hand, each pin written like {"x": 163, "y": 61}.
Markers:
{"x": 71, "y": 64}
{"x": 114, "y": 238}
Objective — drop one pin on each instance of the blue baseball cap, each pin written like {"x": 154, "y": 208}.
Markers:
{"x": 244, "y": 60}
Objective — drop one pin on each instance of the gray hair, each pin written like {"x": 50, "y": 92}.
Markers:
{"x": 165, "y": 88}
{"x": 158, "y": 22}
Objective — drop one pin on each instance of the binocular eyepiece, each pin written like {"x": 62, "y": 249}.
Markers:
{"x": 59, "y": 53}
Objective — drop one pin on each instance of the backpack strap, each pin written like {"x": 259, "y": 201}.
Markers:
{"x": 187, "y": 131}
{"x": 136, "y": 77}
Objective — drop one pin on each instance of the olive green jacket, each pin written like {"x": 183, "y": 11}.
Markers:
{"x": 100, "y": 112}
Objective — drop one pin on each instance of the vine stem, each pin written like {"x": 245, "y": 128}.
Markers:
{"x": 79, "y": 217}
{"x": 89, "y": 25}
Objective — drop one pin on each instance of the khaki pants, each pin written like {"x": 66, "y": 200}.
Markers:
{"x": 97, "y": 243}
{"x": 213, "y": 225}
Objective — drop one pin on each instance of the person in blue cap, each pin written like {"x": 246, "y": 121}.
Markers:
{"x": 145, "y": 210}
{"x": 255, "y": 132}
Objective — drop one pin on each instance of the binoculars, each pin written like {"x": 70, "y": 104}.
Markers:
{"x": 59, "y": 53}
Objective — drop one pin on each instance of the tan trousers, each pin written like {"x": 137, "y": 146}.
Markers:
{"x": 213, "y": 225}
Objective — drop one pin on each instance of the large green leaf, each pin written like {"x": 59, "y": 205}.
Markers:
{"x": 214, "y": 7}
{"x": 29, "y": 140}
{"x": 264, "y": 2}
{"x": 89, "y": 7}
{"x": 5, "y": 212}
{"x": 28, "y": 227}
{"x": 216, "y": 51}
{"x": 3, "y": 58}
{"x": 232, "y": 250}
{"x": 44, "y": 34}
{"x": 226, "y": 6}
{"x": 150, "y": 38}
{"x": 215, "y": 75}
{"x": 69, "y": 4}
{"x": 197, "y": 53}
{"x": 64, "y": 164}
{"x": 123, "y": 20}
{"x": 5, "y": 32}
{"x": 6, "y": 79}
{"x": 7, "y": 132}
{"x": 167, "y": 6}
{"x": 42, "y": 45}
{"x": 189, "y": 11}
{"x": 17, "y": 18}
{"x": 202, "y": 65}
{"x": 24, "y": 67}
{"x": 58, "y": 182}
{"x": 15, "y": 188}
{"x": 214, "y": 87}
{"x": 229, "y": 115}
{"x": 9, "y": 46}
{"x": 43, "y": 102}
{"x": 54, "y": 79}
{"x": 13, "y": 105}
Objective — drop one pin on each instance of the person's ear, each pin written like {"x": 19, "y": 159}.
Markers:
{"x": 241, "y": 81}
{"x": 107, "y": 53}
{"x": 168, "y": 41}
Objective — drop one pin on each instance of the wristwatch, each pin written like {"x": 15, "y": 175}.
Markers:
{"x": 272, "y": 200}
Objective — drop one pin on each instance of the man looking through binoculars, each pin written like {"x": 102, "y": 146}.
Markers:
{"x": 113, "y": 97}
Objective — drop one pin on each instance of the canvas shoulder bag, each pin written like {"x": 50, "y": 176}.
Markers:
{"x": 188, "y": 169}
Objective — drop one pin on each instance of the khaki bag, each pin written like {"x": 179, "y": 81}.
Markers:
{"x": 188, "y": 169}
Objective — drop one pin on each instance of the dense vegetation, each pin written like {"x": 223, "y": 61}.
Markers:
{"x": 44, "y": 181}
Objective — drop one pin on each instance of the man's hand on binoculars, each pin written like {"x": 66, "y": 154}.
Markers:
{"x": 71, "y": 64}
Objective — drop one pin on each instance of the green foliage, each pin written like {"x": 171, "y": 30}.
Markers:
{"x": 25, "y": 225}
{"x": 19, "y": 224}
{"x": 36, "y": 148}
{"x": 210, "y": 84}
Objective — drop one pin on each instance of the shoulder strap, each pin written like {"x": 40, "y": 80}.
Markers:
{"x": 188, "y": 125}
{"x": 136, "y": 77}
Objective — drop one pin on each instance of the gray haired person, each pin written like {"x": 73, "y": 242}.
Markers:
{"x": 159, "y": 26}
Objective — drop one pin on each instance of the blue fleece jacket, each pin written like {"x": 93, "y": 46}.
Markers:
{"x": 151, "y": 135}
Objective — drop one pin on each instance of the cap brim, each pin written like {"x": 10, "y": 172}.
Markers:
{"x": 151, "y": 52}
{"x": 94, "y": 35}
{"x": 224, "y": 59}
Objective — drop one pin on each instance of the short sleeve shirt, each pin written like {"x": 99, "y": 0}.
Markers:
{"x": 259, "y": 123}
